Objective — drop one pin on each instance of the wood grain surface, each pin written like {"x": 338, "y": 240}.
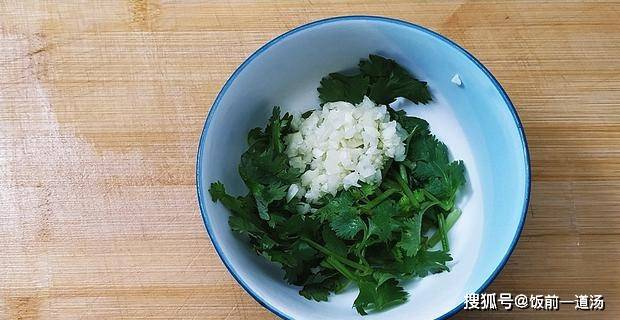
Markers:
{"x": 102, "y": 104}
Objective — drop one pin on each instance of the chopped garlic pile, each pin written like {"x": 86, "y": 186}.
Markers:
{"x": 341, "y": 145}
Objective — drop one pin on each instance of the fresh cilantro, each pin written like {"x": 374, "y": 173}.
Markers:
{"x": 315, "y": 291}
{"x": 333, "y": 243}
{"x": 410, "y": 124}
{"x": 410, "y": 237}
{"x": 399, "y": 83}
{"x": 347, "y": 224}
{"x": 441, "y": 177}
{"x": 377, "y": 297}
{"x": 424, "y": 263}
{"x": 371, "y": 236}
{"x": 377, "y": 66}
{"x": 381, "y": 79}
{"x": 342, "y": 203}
{"x": 322, "y": 284}
{"x": 382, "y": 224}
{"x": 339, "y": 87}
{"x": 264, "y": 166}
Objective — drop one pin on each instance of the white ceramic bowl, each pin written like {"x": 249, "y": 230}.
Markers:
{"x": 476, "y": 120}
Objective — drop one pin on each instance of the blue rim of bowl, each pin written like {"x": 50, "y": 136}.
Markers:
{"x": 200, "y": 187}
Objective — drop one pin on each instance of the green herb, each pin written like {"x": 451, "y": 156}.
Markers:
{"x": 339, "y": 87}
{"x": 264, "y": 166}
{"x": 381, "y": 79}
{"x": 372, "y": 236}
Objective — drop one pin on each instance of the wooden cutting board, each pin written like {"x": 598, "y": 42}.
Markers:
{"x": 102, "y": 104}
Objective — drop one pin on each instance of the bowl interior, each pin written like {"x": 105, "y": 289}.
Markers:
{"x": 475, "y": 120}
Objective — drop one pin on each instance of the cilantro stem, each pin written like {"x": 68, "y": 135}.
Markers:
{"x": 390, "y": 184}
{"x": 406, "y": 189}
{"x": 276, "y": 144}
{"x": 336, "y": 256}
{"x": 410, "y": 165}
{"x": 451, "y": 219}
{"x": 427, "y": 206}
{"x": 408, "y": 140}
{"x": 432, "y": 197}
{"x": 380, "y": 198}
{"x": 402, "y": 171}
{"x": 341, "y": 268}
{"x": 442, "y": 230}
{"x": 386, "y": 169}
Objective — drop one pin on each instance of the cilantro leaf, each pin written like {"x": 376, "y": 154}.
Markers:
{"x": 296, "y": 226}
{"x": 424, "y": 263}
{"x": 381, "y": 222}
{"x": 430, "y": 262}
{"x": 239, "y": 205}
{"x": 302, "y": 251}
{"x": 382, "y": 276}
{"x": 265, "y": 195}
{"x": 342, "y": 203}
{"x": 409, "y": 123}
{"x": 244, "y": 226}
{"x": 322, "y": 284}
{"x": 377, "y": 297}
{"x": 389, "y": 81}
{"x": 315, "y": 291}
{"x": 440, "y": 176}
{"x": 364, "y": 191}
{"x": 333, "y": 243}
{"x": 347, "y": 224}
{"x": 339, "y": 87}
{"x": 264, "y": 166}
{"x": 297, "y": 273}
{"x": 298, "y": 259}
{"x": 279, "y": 256}
{"x": 381, "y": 79}
{"x": 411, "y": 238}
{"x": 377, "y": 66}
{"x": 399, "y": 83}
{"x": 258, "y": 236}
{"x": 255, "y": 135}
